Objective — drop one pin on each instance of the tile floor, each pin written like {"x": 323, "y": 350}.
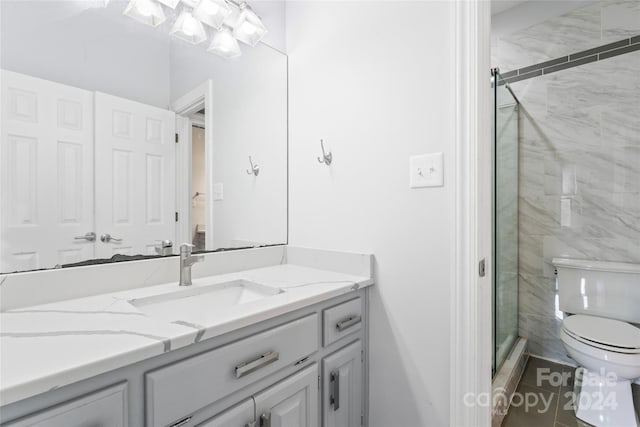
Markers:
{"x": 549, "y": 397}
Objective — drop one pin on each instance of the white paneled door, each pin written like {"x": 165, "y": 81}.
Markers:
{"x": 135, "y": 176}
{"x": 46, "y": 173}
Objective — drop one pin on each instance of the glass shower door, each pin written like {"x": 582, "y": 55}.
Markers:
{"x": 505, "y": 220}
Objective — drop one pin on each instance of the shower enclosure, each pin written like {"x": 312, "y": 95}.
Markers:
{"x": 505, "y": 219}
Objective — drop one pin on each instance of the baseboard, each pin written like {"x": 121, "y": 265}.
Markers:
{"x": 506, "y": 381}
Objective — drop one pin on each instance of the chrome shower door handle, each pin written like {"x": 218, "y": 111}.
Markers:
{"x": 107, "y": 238}
{"x": 90, "y": 236}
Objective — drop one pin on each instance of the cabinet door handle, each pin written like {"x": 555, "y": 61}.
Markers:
{"x": 181, "y": 422}
{"x": 265, "y": 420}
{"x": 246, "y": 368}
{"x": 334, "y": 399}
{"x": 348, "y": 322}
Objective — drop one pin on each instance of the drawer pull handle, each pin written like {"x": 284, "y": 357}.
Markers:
{"x": 335, "y": 390}
{"x": 246, "y": 368}
{"x": 181, "y": 422}
{"x": 265, "y": 420}
{"x": 348, "y": 322}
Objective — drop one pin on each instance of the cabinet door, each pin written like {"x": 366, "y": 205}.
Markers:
{"x": 106, "y": 408}
{"x": 241, "y": 415}
{"x": 342, "y": 387}
{"x": 292, "y": 402}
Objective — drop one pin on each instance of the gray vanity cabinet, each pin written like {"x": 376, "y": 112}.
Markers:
{"x": 300, "y": 369}
{"x": 177, "y": 391}
{"x": 343, "y": 385}
{"x": 241, "y": 415}
{"x": 292, "y": 402}
{"x": 104, "y": 408}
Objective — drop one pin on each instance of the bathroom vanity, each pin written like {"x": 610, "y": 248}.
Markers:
{"x": 113, "y": 161}
{"x": 279, "y": 341}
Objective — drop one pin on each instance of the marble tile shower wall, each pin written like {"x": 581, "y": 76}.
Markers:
{"x": 597, "y": 24}
{"x": 579, "y": 161}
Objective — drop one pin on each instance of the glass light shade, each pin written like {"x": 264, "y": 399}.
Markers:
{"x": 249, "y": 28}
{"x": 225, "y": 45}
{"x": 188, "y": 28}
{"x": 170, "y": 3}
{"x": 212, "y": 12}
{"x": 146, "y": 11}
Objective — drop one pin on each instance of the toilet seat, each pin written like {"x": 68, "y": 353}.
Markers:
{"x": 606, "y": 334}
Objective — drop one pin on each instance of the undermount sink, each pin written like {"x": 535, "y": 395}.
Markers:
{"x": 196, "y": 304}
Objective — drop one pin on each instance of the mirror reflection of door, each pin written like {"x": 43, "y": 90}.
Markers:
{"x": 46, "y": 185}
{"x": 135, "y": 176}
{"x": 198, "y": 185}
{"x": 84, "y": 175}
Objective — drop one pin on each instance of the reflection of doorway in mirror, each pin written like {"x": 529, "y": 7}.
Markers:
{"x": 198, "y": 205}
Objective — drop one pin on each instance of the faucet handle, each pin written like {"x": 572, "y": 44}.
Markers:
{"x": 186, "y": 248}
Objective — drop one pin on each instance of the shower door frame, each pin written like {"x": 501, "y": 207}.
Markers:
{"x": 495, "y": 364}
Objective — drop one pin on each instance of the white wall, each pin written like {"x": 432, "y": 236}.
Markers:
{"x": 273, "y": 14}
{"x": 375, "y": 80}
{"x": 89, "y": 47}
{"x": 250, "y": 119}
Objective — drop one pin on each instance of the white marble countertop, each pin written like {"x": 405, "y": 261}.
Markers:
{"x": 47, "y": 346}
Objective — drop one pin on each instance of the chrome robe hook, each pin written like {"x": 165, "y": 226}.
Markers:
{"x": 326, "y": 157}
{"x": 255, "y": 170}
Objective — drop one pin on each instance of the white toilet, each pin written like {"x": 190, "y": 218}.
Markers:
{"x": 601, "y": 333}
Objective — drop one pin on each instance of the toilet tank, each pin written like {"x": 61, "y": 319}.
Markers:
{"x": 599, "y": 288}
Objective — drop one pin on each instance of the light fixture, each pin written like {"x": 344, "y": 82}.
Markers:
{"x": 188, "y": 28}
{"x": 249, "y": 28}
{"x": 146, "y": 11}
{"x": 212, "y": 12}
{"x": 170, "y": 3}
{"x": 234, "y": 22}
{"x": 225, "y": 45}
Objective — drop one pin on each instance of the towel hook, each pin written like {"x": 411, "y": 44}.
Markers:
{"x": 326, "y": 157}
{"x": 255, "y": 170}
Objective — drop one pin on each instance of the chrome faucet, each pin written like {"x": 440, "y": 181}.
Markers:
{"x": 186, "y": 261}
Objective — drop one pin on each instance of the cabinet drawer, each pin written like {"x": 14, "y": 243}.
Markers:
{"x": 342, "y": 320}
{"x": 106, "y": 408}
{"x": 243, "y": 414}
{"x": 181, "y": 389}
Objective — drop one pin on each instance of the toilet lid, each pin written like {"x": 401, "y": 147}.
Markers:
{"x": 605, "y": 331}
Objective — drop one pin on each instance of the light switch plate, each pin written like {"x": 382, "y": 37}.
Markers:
{"x": 426, "y": 170}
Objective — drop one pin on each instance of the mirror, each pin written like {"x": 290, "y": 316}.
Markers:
{"x": 120, "y": 141}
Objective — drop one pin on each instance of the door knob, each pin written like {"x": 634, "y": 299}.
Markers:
{"x": 90, "y": 236}
{"x": 106, "y": 238}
